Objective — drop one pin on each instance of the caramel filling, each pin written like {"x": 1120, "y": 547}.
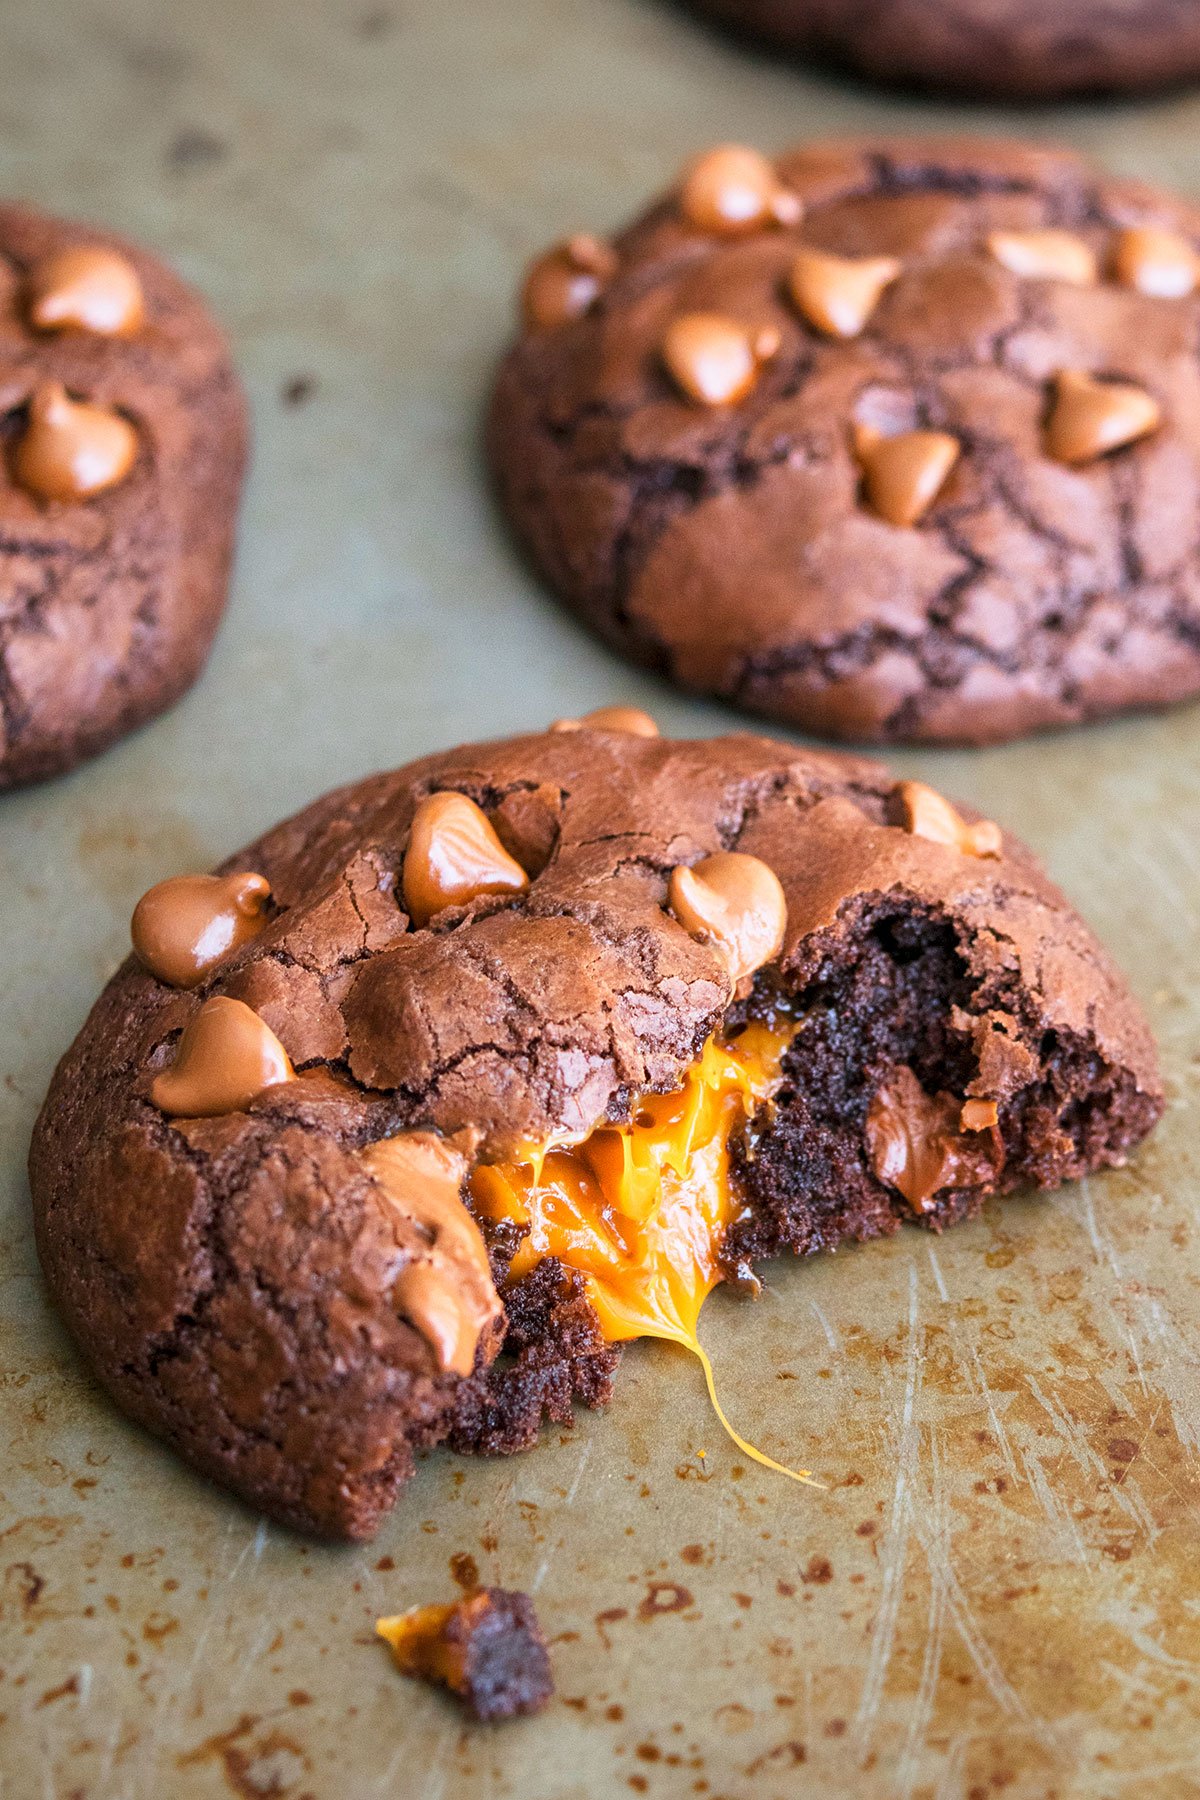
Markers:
{"x": 640, "y": 1210}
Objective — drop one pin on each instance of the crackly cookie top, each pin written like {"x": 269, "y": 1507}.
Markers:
{"x": 895, "y": 438}
{"x": 122, "y": 437}
{"x": 536, "y": 1008}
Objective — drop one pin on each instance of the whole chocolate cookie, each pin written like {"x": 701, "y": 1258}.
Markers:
{"x": 622, "y": 1014}
{"x": 889, "y": 440}
{"x": 1006, "y": 49}
{"x": 123, "y": 435}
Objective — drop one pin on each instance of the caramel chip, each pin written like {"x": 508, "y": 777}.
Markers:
{"x": 454, "y": 855}
{"x": 184, "y": 926}
{"x": 838, "y": 294}
{"x": 928, "y": 814}
{"x": 87, "y": 288}
{"x": 734, "y": 902}
{"x": 714, "y": 360}
{"x": 1045, "y": 255}
{"x": 486, "y": 1647}
{"x": 226, "y": 1056}
{"x": 1156, "y": 262}
{"x": 732, "y": 189}
{"x": 566, "y": 281}
{"x": 446, "y": 1293}
{"x": 70, "y": 449}
{"x": 630, "y": 719}
{"x": 1089, "y": 417}
{"x": 903, "y": 475}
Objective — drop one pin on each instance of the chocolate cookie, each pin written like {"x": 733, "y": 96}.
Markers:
{"x": 1007, "y": 49}
{"x": 123, "y": 436}
{"x": 890, "y": 440}
{"x": 652, "y": 1009}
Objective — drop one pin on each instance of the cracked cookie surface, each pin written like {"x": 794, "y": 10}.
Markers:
{"x": 233, "y": 1278}
{"x": 113, "y": 579}
{"x": 876, "y": 535}
{"x": 1012, "y": 49}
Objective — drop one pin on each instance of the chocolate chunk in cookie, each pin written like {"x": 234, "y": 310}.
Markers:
{"x": 123, "y": 437}
{"x": 1005, "y": 49}
{"x": 370, "y": 1105}
{"x": 912, "y": 457}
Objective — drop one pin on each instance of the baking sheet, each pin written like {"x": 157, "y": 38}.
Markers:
{"x": 997, "y": 1592}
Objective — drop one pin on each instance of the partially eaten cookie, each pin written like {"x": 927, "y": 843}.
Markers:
{"x": 390, "y": 1132}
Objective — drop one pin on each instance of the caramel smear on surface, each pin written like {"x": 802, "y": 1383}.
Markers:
{"x": 640, "y": 1210}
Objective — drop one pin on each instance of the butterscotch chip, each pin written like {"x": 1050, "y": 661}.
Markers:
{"x": 979, "y": 1115}
{"x": 487, "y": 1648}
{"x": 736, "y": 903}
{"x": 903, "y": 475}
{"x": 453, "y": 857}
{"x": 1090, "y": 418}
{"x": 70, "y": 449}
{"x": 226, "y": 1056}
{"x": 446, "y": 1291}
{"x": 732, "y": 189}
{"x": 728, "y": 542}
{"x": 929, "y": 814}
{"x": 566, "y": 281}
{"x": 1156, "y": 262}
{"x": 611, "y": 718}
{"x": 838, "y": 294}
{"x": 122, "y": 464}
{"x": 1045, "y": 255}
{"x": 86, "y": 288}
{"x": 186, "y": 925}
{"x": 714, "y": 360}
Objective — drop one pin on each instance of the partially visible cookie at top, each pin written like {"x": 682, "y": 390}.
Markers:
{"x": 122, "y": 431}
{"x": 891, "y": 440}
{"x": 1006, "y": 49}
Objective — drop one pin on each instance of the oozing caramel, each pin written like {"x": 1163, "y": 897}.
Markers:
{"x": 640, "y": 1210}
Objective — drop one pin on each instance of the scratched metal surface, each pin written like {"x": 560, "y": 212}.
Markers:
{"x": 997, "y": 1592}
